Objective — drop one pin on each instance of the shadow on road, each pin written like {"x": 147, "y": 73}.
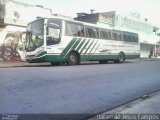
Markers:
{"x": 25, "y": 64}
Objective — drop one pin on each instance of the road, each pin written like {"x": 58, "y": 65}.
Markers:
{"x": 81, "y": 89}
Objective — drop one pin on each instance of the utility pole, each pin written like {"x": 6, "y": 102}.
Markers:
{"x": 92, "y": 11}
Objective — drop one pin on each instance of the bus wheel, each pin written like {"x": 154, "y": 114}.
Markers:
{"x": 55, "y": 63}
{"x": 121, "y": 58}
{"x": 73, "y": 59}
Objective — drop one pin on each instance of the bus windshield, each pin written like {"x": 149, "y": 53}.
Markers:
{"x": 35, "y": 35}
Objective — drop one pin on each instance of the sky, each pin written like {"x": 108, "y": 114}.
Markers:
{"x": 146, "y": 8}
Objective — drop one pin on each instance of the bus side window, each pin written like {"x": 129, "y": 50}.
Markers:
{"x": 126, "y": 37}
{"x": 108, "y": 32}
{"x": 105, "y": 34}
{"x": 91, "y": 32}
{"x": 116, "y": 35}
{"x": 134, "y": 38}
{"x": 53, "y": 35}
{"x": 102, "y": 34}
{"x": 130, "y": 37}
{"x": 73, "y": 29}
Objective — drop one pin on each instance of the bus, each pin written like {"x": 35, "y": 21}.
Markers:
{"x": 58, "y": 41}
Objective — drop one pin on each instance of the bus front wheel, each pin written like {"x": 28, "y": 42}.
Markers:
{"x": 73, "y": 59}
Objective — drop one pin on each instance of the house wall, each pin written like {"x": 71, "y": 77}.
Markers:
{"x": 12, "y": 26}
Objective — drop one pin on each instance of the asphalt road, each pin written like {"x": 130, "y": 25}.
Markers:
{"x": 81, "y": 89}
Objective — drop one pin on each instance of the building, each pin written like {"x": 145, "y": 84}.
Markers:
{"x": 14, "y": 17}
{"x": 148, "y": 38}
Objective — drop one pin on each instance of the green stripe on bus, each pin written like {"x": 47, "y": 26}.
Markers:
{"x": 93, "y": 47}
{"x": 88, "y": 47}
{"x": 81, "y": 44}
{"x": 69, "y": 46}
{"x": 97, "y": 47}
{"x": 76, "y": 44}
{"x": 84, "y": 46}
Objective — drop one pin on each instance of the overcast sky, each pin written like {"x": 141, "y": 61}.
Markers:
{"x": 146, "y": 8}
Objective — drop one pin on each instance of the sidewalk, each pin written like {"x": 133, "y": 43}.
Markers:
{"x": 148, "y": 105}
{"x": 21, "y": 64}
{"x": 149, "y": 59}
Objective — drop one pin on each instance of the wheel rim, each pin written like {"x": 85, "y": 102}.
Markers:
{"x": 121, "y": 58}
{"x": 72, "y": 58}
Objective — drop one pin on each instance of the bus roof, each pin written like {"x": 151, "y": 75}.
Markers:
{"x": 83, "y": 23}
{"x": 72, "y": 20}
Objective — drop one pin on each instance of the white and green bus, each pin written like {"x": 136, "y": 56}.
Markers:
{"x": 58, "y": 40}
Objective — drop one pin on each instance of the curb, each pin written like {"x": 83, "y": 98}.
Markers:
{"x": 21, "y": 64}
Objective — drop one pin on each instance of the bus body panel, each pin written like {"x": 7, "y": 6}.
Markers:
{"x": 89, "y": 49}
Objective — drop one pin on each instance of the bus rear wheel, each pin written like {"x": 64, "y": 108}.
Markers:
{"x": 121, "y": 58}
{"x": 73, "y": 59}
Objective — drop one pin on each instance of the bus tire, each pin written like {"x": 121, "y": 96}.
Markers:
{"x": 73, "y": 58}
{"x": 121, "y": 58}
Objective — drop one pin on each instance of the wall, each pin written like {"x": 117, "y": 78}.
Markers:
{"x": 16, "y": 17}
{"x": 11, "y": 45}
{"x": 24, "y": 12}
